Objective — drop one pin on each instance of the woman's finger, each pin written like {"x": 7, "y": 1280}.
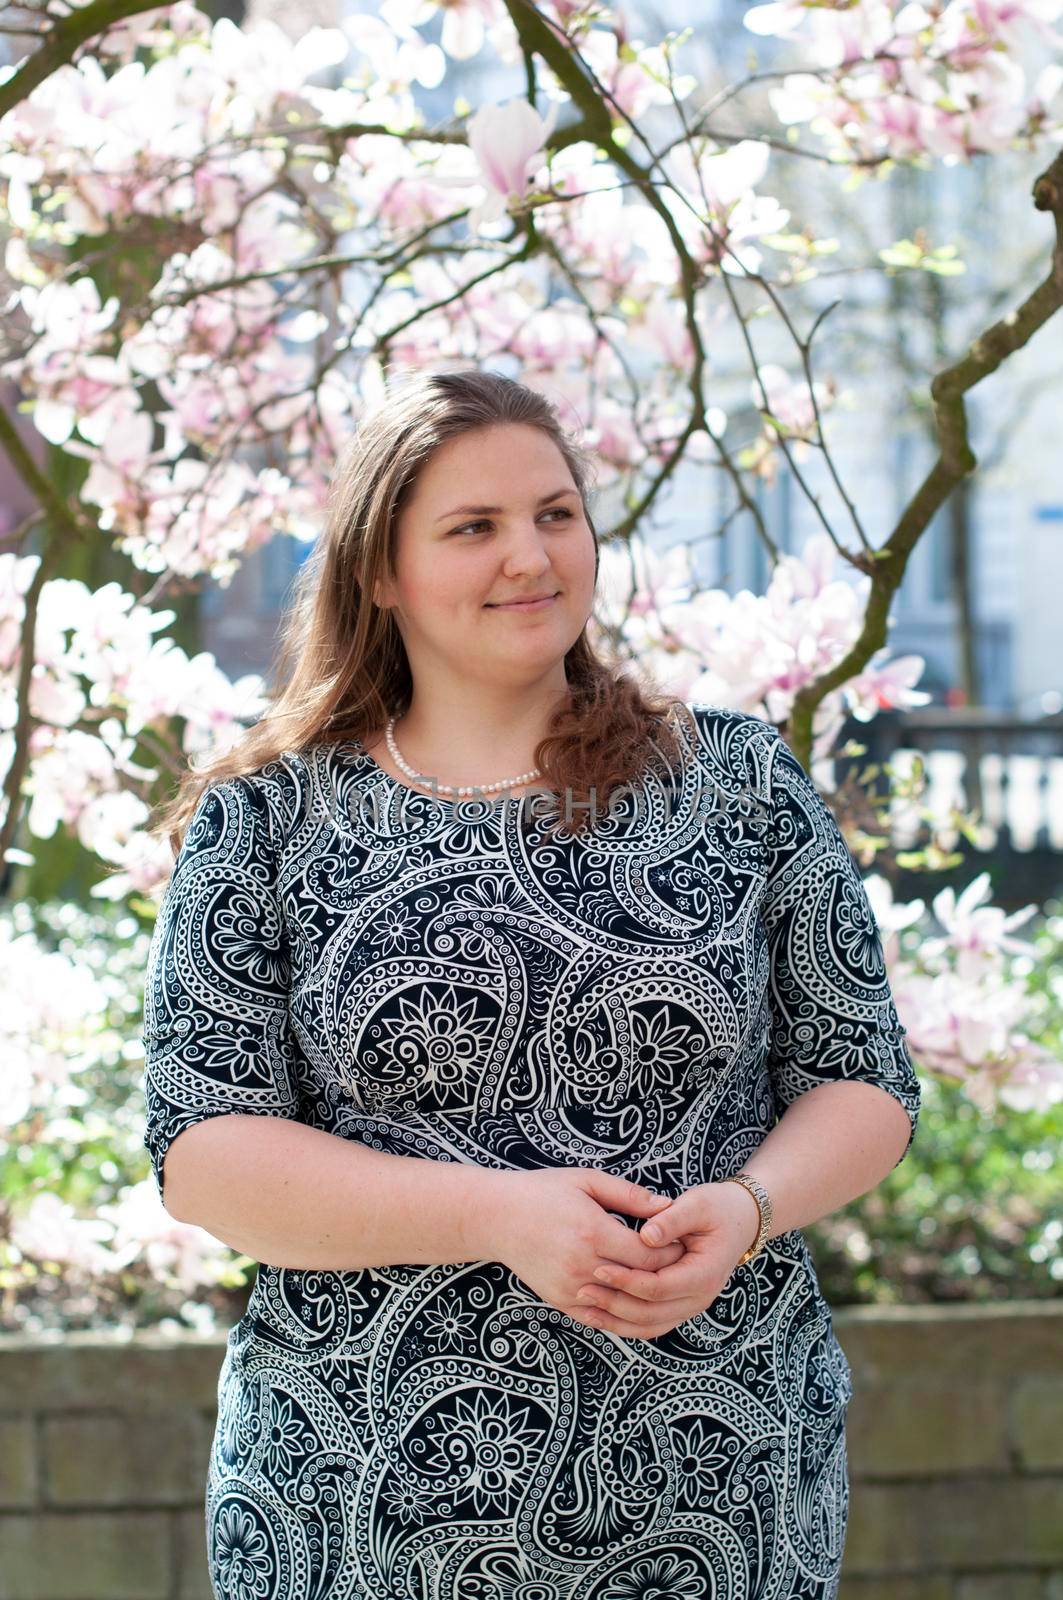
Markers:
{"x": 678, "y": 1282}
{"x": 646, "y": 1327}
{"x": 630, "y": 1308}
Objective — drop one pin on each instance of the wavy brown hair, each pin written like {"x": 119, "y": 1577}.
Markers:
{"x": 342, "y": 669}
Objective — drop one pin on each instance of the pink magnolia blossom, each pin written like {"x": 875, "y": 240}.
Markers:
{"x": 389, "y": 59}
{"x": 553, "y": 335}
{"x": 182, "y": 20}
{"x": 791, "y": 402}
{"x": 595, "y": 235}
{"x": 49, "y": 1229}
{"x": 885, "y": 686}
{"x": 16, "y": 576}
{"x": 754, "y": 652}
{"x": 957, "y": 66}
{"x": 637, "y": 84}
{"x": 65, "y": 365}
{"x": 467, "y": 25}
{"x": 70, "y": 769}
{"x": 724, "y": 181}
{"x": 975, "y": 930}
{"x": 992, "y": 20}
{"x": 778, "y": 17}
{"x": 189, "y": 524}
{"x": 564, "y": 10}
{"x": 177, "y": 1253}
{"x": 662, "y": 329}
{"x": 100, "y": 647}
{"x": 965, "y": 1008}
{"x": 394, "y": 184}
{"x": 976, "y": 1033}
{"x": 46, "y": 997}
{"x": 1034, "y": 1080}
{"x": 507, "y": 142}
{"x": 613, "y": 436}
{"x": 119, "y": 460}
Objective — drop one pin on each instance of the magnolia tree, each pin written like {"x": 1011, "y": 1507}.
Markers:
{"x": 217, "y": 264}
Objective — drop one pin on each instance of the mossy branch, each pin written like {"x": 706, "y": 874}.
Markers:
{"x": 886, "y": 565}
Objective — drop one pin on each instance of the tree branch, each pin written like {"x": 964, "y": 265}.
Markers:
{"x": 886, "y": 565}
{"x": 575, "y": 75}
{"x": 63, "y": 40}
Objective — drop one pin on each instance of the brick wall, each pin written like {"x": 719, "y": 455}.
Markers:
{"x": 955, "y": 1436}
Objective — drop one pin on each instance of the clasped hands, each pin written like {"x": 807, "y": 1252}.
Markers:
{"x": 715, "y": 1223}
{"x": 560, "y": 1231}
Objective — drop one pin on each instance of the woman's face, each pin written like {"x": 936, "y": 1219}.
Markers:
{"x": 495, "y": 516}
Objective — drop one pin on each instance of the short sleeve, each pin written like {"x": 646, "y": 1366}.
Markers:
{"x": 832, "y": 1010}
{"x": 217, "y": 1038}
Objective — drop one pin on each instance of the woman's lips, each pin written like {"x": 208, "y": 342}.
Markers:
{"x": 525, "y": 605}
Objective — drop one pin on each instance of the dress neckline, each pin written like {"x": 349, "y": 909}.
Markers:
{"x": 447, "y": 806}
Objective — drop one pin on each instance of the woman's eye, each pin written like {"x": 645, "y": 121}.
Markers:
{"x": 470, "y": 527}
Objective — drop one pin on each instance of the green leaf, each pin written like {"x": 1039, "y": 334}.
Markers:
{"x": 785, "y": 241}
{"x": 905, "y": 253}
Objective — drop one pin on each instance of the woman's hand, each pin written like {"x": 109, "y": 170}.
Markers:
{"x": 553, "y": 1228}
{"x": 717, "y": 1223}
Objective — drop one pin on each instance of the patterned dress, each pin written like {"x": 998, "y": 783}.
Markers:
{"x": 444, "y": 980}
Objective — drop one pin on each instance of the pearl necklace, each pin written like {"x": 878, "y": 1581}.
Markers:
{"x": 477, "y": 788}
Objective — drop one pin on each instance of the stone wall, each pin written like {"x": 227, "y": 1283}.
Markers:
{"x": 955, "y": 1437}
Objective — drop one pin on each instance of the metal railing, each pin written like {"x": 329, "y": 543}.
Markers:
{"x": 1006, "y": 770}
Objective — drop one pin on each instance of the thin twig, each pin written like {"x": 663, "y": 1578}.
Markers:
{"x": 955, "y": 460}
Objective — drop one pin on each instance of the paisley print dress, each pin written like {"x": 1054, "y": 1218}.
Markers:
{"x": 447, "y": 981}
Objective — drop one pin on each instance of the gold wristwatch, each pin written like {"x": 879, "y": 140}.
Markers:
{"x": 763, "y": 1199}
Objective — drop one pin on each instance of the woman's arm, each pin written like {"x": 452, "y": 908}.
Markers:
{"x": 294, "y": 1196}
{"x": 833, "y": 1144}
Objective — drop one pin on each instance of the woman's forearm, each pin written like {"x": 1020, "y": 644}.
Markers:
{"x": 290, "y": 1195}
{"x": 834, "y": 1143}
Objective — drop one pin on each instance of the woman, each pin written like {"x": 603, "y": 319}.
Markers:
{"x": 432, "y": 1059}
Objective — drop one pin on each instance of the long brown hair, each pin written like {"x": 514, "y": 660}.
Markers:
{"x": 342, "y": 667}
